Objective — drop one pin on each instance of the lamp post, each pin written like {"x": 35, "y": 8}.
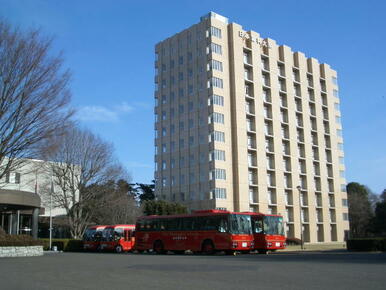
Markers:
{"x": 51, "y": 192}
{"x": 299, "y": 188}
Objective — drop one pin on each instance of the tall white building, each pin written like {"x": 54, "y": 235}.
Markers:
{"x": 245, "y": 124}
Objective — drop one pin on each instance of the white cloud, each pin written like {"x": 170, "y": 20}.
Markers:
{"x": 124, "y": 107}
{"x": 103, "y": 114}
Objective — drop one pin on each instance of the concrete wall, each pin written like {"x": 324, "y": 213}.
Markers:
{"x": 30, "y": 251}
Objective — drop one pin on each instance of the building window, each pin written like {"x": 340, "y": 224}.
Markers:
{"x": 216, "y": 82}
{"x": 217, "y": 174}
{"x": 345, "y": 202}
{"x": 214, "y": 31}
{"x": 216, "y": 100}
{"x": 215, "y": 65}
{"x": 217, "y": 136}
{"x": 192, "y": 178}
{"x": 215, "y": 48}
{"x": 164, "y": 148}
{"x": 182, "y": 179}
{"x": 345, "y": 216}
{"x": 217, "y": 155}
{"x": 216, "y": 118}
{"x": 181, "y": 109}
{"x": 220, "y": 193}
{"x": 12, "y": 177}
{"x": 182, "y": 162}
{"x": 336, "y": 94}
{"x": 163, "y": 164}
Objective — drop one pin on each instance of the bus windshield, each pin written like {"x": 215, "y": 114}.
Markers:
{"x": 273, "y": 225}
{"x": 240, "y": 224}
{"x": 89, "y": 234}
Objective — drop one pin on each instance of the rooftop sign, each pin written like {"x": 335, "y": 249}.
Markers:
{"x": 259, "y": 41}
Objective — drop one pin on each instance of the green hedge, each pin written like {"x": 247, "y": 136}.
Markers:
{"x": 293, "y": 241}
{"x": 367, "y": 244}
{"x": 17, "y": 240}
{"x": 66, "y": 245}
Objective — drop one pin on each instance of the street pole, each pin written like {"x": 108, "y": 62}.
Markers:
{"x": 51, "y": 191}
{"x": 300, "y": 218}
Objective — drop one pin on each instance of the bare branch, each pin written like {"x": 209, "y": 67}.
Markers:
{"x": 34, "y": 95}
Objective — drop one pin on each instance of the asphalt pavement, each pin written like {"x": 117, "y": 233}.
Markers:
{"x": 291, "y": 270}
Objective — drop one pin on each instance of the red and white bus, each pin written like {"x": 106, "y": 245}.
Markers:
{"x": 268, "y": 232}
{"x": 204, "y": 231}
{"x": 92, "y": 238}
{"x": 118, "y": 238}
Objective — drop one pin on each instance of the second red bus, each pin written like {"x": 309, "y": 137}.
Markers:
{"x": 268, "y": 232}
{"x": 205, "y": 231}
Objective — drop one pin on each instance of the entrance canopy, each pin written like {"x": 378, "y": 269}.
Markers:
{"x": 19, "y": 211}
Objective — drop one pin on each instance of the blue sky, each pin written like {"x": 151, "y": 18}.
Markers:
{"x": 109, "y": 47}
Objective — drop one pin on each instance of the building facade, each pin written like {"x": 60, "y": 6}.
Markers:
{"x": 245, "y": 124}
{"x": 25, "y": 195}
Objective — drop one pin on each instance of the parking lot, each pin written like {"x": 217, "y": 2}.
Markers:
{"x": 292, "y": 270}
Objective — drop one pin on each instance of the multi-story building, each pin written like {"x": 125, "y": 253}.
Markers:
{"x": 25, "y": 193}
{"x": 245, "y": 124}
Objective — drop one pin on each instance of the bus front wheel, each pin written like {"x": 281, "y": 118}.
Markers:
{"x": 263, "y": 252}
{"x": 118, "y": 249}
{"x": 158, "y": 247}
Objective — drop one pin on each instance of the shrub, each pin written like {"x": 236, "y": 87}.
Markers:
{"x": 66, "y": 245}
{"x": 18, "y": 240}
{"x": 2, "y": 232}
{"x": 367, "y": 244}
{"x": 293, "y": 241}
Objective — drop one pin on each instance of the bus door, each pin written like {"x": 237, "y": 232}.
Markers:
{"x": 126, "y": 241}
{"x": 258, "y": 232}
{"x": 220, "y": 224}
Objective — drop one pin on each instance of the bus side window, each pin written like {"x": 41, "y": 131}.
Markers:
{"x": 141, "y": 225}
{"x": 187, "y": 224}
{"x": 258, "y": 226}
{"x": 162, "y": 224}
{"x": 199, "y": 223}
{"x": 223, "y": 225}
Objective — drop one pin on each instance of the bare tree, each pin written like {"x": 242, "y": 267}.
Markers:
{"x": 34, "y": 95}
{"x": 78, "y": 160}
{"x": 114, "y": 203}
